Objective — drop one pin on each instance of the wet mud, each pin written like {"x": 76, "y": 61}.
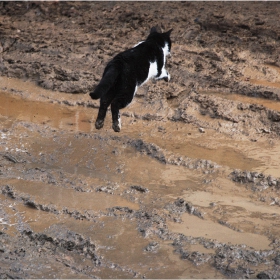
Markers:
{"x": 190, "y": 186}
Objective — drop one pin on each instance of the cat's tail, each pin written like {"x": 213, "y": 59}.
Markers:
{"x": 107, "y": 82}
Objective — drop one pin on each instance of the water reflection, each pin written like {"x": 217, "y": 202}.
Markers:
{"x": 55, "y": 115}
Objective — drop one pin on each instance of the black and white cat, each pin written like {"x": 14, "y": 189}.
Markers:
{"x": 127, "y": 71}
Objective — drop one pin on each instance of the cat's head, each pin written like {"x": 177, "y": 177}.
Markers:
{"x": 163, "y": 39}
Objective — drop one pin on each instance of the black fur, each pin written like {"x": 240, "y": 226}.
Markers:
{"x": 129, "y": 70}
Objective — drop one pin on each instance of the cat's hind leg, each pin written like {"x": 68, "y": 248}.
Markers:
{"x": 124, "y": 96}
{"x": 116, "y": 105}
{"x": 116, "y": 118}
{"x": 101, "y": 117}
{"x": 104, "y": 104}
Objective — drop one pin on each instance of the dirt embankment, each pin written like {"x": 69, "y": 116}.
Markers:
{"x": 188, "y": 189}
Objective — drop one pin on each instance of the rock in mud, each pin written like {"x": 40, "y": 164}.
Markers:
{"x": 152, "y": 247}
{"x": 181, "y": 206}
{"x": 255, "y": 178}
{"x": 140, "y": 189}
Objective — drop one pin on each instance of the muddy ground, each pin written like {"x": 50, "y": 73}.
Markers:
{"x": 190, "y": 186}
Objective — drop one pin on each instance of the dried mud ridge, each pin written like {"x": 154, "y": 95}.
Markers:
{"x": 233, "y": 261}
{"x": 188, "y": 189}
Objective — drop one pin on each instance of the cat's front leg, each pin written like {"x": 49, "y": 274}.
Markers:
{"x": 164, "y": 75}
{"x": 167, "y": 78}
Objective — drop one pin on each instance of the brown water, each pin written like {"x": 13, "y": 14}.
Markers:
{"x": 81, "y": 119}
{"x": 60, "y": 168}
{"x": 54, "y": 115}
{"x": 215, "y": 231}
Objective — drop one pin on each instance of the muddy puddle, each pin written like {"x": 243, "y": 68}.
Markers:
{"x": 82, "y": 120}
{"x": 42, "y": 113}
{"x": 58, "y": 174}
{"x": 212, "y": 230}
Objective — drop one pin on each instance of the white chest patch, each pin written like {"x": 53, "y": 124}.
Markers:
{"x": 152, "y": 72}
{"x": 165, "y": 50}
{"x": 165, "y": 53}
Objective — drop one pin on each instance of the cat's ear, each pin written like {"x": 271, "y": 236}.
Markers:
{"x": 153, "y": 29}
{"x": 169, "y": 32}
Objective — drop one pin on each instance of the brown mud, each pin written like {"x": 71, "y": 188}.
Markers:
{"x": 190, "y": 186}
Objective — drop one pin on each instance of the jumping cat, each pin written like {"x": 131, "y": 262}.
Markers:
{"x": 127, "y": 71}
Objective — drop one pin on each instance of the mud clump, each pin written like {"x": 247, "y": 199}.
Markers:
{"x": 181, "y": 206}
{"x": 256, "y": 179}
{"x": 152, "y": 247}
{"x": 139, "y": 189}
{"x": 59, "y": 242}
{"x": 66, "y": 239}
